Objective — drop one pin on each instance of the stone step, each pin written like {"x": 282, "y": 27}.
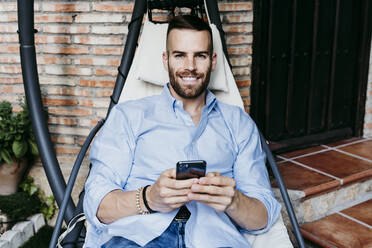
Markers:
{"x": 327, "y": 177}
{"x": 350, "y": 227}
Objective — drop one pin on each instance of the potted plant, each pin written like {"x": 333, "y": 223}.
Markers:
{"x": 17, "y": 146}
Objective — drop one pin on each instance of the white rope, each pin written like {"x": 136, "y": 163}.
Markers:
{"x": 78, "y": 218}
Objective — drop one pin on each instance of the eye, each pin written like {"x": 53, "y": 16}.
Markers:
{"x": 201, "y": 56}
{"x": 179, "y": 55}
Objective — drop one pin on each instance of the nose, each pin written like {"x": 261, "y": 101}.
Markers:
{"x": 190, "y": 63}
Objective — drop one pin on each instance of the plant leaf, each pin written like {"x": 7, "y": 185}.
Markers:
{"x": 33, "y": 147}
{"x": 33, "y": 189}
{"x": 19, "y": 148}
{"x": 6, "y": 156}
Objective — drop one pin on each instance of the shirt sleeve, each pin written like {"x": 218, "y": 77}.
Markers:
{"x": 250, "y": 171}
{"x": 111, "y": 157}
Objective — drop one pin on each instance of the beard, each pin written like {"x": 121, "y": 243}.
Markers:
{"x": 188, "y": 91}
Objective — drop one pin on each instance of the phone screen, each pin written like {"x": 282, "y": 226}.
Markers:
{"x": 190, "y": 169}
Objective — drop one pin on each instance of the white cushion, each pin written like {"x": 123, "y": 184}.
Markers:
{"x": 136, "y": 87}
{"x": 150, "y": 65}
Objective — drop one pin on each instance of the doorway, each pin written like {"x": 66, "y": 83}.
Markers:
{"x": 310, "y": 68}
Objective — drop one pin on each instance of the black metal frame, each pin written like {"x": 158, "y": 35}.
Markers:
{"x": 61, "y": 191}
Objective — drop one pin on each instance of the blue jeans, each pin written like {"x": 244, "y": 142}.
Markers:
{"x": 173, "y": 237}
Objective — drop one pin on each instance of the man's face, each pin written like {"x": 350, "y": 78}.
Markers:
{"x": 189, "y": 61}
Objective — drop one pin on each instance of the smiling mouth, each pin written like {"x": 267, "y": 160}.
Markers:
{"x": 189, "y": 79}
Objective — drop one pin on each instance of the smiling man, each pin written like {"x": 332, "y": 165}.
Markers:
{"x": 132, "y": 196}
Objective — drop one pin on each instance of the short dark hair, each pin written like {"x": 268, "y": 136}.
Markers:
{"x": 190, "y": 22}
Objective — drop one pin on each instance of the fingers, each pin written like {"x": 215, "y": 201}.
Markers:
{"x": 214, "y": 178}
{"x": 212, "y": 199}
{"x": 213, "y": 174}
{"x": 168, "y": 192}
{"x": 170, "y": 173}
{"x": 213, "y": 190}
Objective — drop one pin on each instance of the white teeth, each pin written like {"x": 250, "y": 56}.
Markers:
{"x": 189, "y": 78}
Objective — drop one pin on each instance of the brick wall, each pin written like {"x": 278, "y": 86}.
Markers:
{"x": 367, "y": 132}
{"x": 79, "y": 47}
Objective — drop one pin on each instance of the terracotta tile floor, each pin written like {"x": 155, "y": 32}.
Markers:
{"x": 349, "y": 228}
{"x": 322, "y": 168}
{"x": 319, "y": 169}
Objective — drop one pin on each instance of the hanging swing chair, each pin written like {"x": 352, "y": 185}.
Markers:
{"x": 130, "y": 84}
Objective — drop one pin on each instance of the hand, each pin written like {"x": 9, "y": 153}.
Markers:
{"x": 214, "y": 190}
{"x": 167, "y": 193}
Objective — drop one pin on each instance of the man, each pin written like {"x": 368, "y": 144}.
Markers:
{"x": 143, "y": 140}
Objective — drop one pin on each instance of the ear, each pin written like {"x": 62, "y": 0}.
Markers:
{"x": 214, "y": 61}
{"x": 165, "y": 60}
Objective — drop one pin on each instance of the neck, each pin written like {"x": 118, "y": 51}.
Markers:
{"x": 193, "y": 106}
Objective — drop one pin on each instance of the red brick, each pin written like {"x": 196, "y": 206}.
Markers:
{"x": 59, "y": 29}
{"x": 237, "y": 18}
{"x": 67, "y": 150}
{"x": 58, "y": 18}
{"x": 116, "y": 7}
{"x": 52, "y": 39}
{"x": 238, "y": 6}
{"x": 9, "y": 38}
{"x": 97, "y": 83}
{"x": 368, "y": 125}
{"x": 241, "y": 71}
{"x": 239, "y": 50}
{"x": 10, "y": 98}
{"x": 103, "y": 93}
{"x": 62, "y": 121}
{"x": 237, "y": 28}
{"x": 98, "y": 40}
{"x": 247, "y": 102}
{"x": 65, "y": 7}
{"x": 11, "y": 69}
{"x": 245, "y": 91}
{"x": 87, "y": 123}
{"x": 243, "y": 83}
{"x": 107, "y": 51}
{"x": 7, "y": 28}
{"x": 8, "y": 6}
{"x": 63, "y": 139}
{"x": 53, "y": 60}
{"x": 10, "y": 59}
{"x": 106, "y": 72}
{"x": 58, "y": 70}
{"x": 13, "y": 89}
{"x": 9, "y": 80}
{"x": 8, "y": 17}
{"x": 239, "y": 39}
{"x": 97, "y": 61}
{"x": 60, "y": 102}
{"x": 247, "y": 109}
{"x": 66, "y": 50}
{"x": 4, "y": 48}
{"x": 69, "y": 111}
{"x": 67, "y": 91}
{"x": 99, "y": 18}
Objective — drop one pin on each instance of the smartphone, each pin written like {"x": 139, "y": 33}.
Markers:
{"x": 190, "y": 169}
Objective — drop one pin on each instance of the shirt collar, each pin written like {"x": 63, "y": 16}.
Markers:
{"x": 210, "y": 100}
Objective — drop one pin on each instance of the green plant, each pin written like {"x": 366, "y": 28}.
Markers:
{"x": 48, "y": 206}
{"x": 17, "y": 140}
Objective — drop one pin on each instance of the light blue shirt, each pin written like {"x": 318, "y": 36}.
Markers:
{"x": 142, "y": 138}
